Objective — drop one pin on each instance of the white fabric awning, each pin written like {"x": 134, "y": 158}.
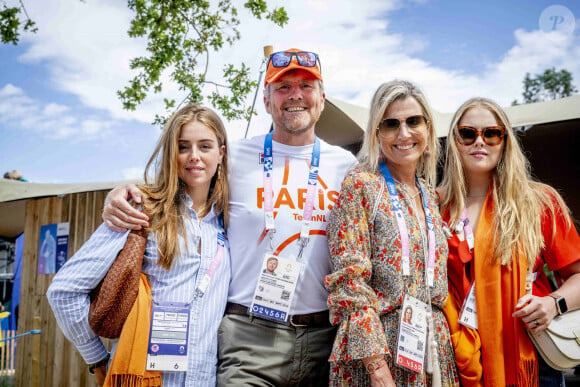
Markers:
{"x": 343, "y": 123}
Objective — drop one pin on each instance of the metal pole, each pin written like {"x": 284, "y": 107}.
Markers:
{"x": 267, "y": 52}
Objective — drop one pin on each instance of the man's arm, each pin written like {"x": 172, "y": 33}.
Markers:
{"x": 119, "y": 215}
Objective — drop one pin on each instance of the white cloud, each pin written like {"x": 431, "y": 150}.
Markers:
{"x": 87, "y": 50}
{"x": 10, "y": 90}
{"x": 20, "y": 112}
{"x": 14, "y": 104}
{"x": 53, "y": 109}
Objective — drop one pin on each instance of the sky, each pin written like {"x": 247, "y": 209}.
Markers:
{"x": 61, "y": 121}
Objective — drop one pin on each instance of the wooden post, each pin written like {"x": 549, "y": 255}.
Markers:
{"x": 35, "y": 352}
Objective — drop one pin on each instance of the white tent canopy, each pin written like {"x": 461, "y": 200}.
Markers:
{"x": 343, "y": 123}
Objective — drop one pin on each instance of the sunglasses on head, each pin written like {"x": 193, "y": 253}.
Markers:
{"x": 304, "y": 58}
{"x": 392, "y": 124}
{"x": 492, "y": 135}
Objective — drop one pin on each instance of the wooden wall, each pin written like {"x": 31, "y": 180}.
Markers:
{"x": 49, "y": 359}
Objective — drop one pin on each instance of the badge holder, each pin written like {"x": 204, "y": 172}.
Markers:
{"x": 167, "y": 349}
{"x": 468, "y": 313}
{"x": 275, "y": 288}
{"x": 412, "y": 335}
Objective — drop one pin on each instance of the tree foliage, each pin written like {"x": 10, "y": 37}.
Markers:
{"x": 11, "y": 26}
{"x": 549, "y": 85}
{"x": 181, "y": 35}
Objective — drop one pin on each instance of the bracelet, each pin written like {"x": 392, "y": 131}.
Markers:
{"x": 375, "y": 365}
{"x": 98, "y": 364}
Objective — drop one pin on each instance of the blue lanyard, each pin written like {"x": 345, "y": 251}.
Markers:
{"x": 403, "y": 230}
{"x": 310, "y": 194}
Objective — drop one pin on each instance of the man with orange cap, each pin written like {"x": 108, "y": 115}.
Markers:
{"x": 276, "y": 330}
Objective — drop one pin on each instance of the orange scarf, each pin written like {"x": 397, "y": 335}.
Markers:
{"x": 467, "y": 346}
{"x": 509, "y": 358}
{"x": 128, "y": 365}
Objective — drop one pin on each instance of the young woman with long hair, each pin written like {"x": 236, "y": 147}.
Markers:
{"x": 187, "y": 204}
{"x": 506, "y": 226}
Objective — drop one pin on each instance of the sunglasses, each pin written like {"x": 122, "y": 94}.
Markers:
{"x": 304, "y": 58}
{"x": 492, "y": 135}
{"x": 392, "y": 124}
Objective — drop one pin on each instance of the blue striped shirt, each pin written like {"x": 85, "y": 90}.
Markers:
{"x": 69, "y": 292}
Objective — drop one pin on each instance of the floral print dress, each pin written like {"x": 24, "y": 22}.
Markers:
{"x": 367, "y": 285}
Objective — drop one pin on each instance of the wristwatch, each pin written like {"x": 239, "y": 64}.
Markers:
{"x": 98, "y": 364}
{"x": 560, "y": 303}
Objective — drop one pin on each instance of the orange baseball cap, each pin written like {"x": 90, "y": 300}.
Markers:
{"x": 273, "y": 73}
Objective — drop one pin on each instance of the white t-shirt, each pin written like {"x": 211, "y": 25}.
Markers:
{"x": 246, "y": 232}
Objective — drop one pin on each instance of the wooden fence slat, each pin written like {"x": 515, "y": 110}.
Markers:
{"x": 28, "y": 281}
{"x": 36, "y": 354}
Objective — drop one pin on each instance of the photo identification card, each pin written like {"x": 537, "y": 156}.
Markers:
{"x": 168, "y": 337}
{"x": 412, "y": 334}
{"x": 275, "y": 289}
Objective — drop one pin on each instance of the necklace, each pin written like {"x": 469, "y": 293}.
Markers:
{"x": 406, "y": 189}
{"x": 415, "y": 195}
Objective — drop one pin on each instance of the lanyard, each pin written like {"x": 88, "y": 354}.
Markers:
{"x": 219, "y": 255}
{"x": 310, "y": 193}
{"x": 468, "y": 231}
{"x": 403, "y": 231}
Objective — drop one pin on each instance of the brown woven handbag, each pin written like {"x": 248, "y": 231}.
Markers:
{"x": 113, "y": 299}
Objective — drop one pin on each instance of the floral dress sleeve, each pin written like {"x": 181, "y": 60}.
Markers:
{"x": 353, "y": 303}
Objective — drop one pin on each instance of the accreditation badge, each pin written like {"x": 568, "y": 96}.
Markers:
{"x": 275, "y": 288}
{"x": 168, "y": 337}
{"x": 412, "y": 334}
{"x": 468, "y": 314}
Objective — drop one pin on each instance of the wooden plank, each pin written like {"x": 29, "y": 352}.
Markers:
{"x": 60, "y": 345}
{"x": 59, "y": 349}
{"x": 35, "y": 353}
{"x": 29, "y": 267}
{"x": 88, "y": 216}
{"x": 47, "y": 341}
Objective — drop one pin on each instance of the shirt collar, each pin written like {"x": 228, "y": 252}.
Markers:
{"x": 187, "y": 202}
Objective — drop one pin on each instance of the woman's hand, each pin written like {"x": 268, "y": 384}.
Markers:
{"x": 536, "y": 312}
{"x": 119, "y": 215}
{"x": 100, "y": 374}
{"x": 380, "y": 375}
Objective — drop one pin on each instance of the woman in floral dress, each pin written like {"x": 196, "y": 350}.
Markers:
{"x": 371, "y": 276}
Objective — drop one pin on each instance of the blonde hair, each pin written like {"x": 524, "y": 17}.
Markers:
{"x": 387, "y": 93}
{"x": 519, "y": 201}
{"x": 163, "y": 202}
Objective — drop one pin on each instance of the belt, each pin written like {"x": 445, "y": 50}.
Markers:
{"x": 318, "y": 319}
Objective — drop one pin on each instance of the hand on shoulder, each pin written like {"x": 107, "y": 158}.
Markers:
{"x": 119, "y": 215}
